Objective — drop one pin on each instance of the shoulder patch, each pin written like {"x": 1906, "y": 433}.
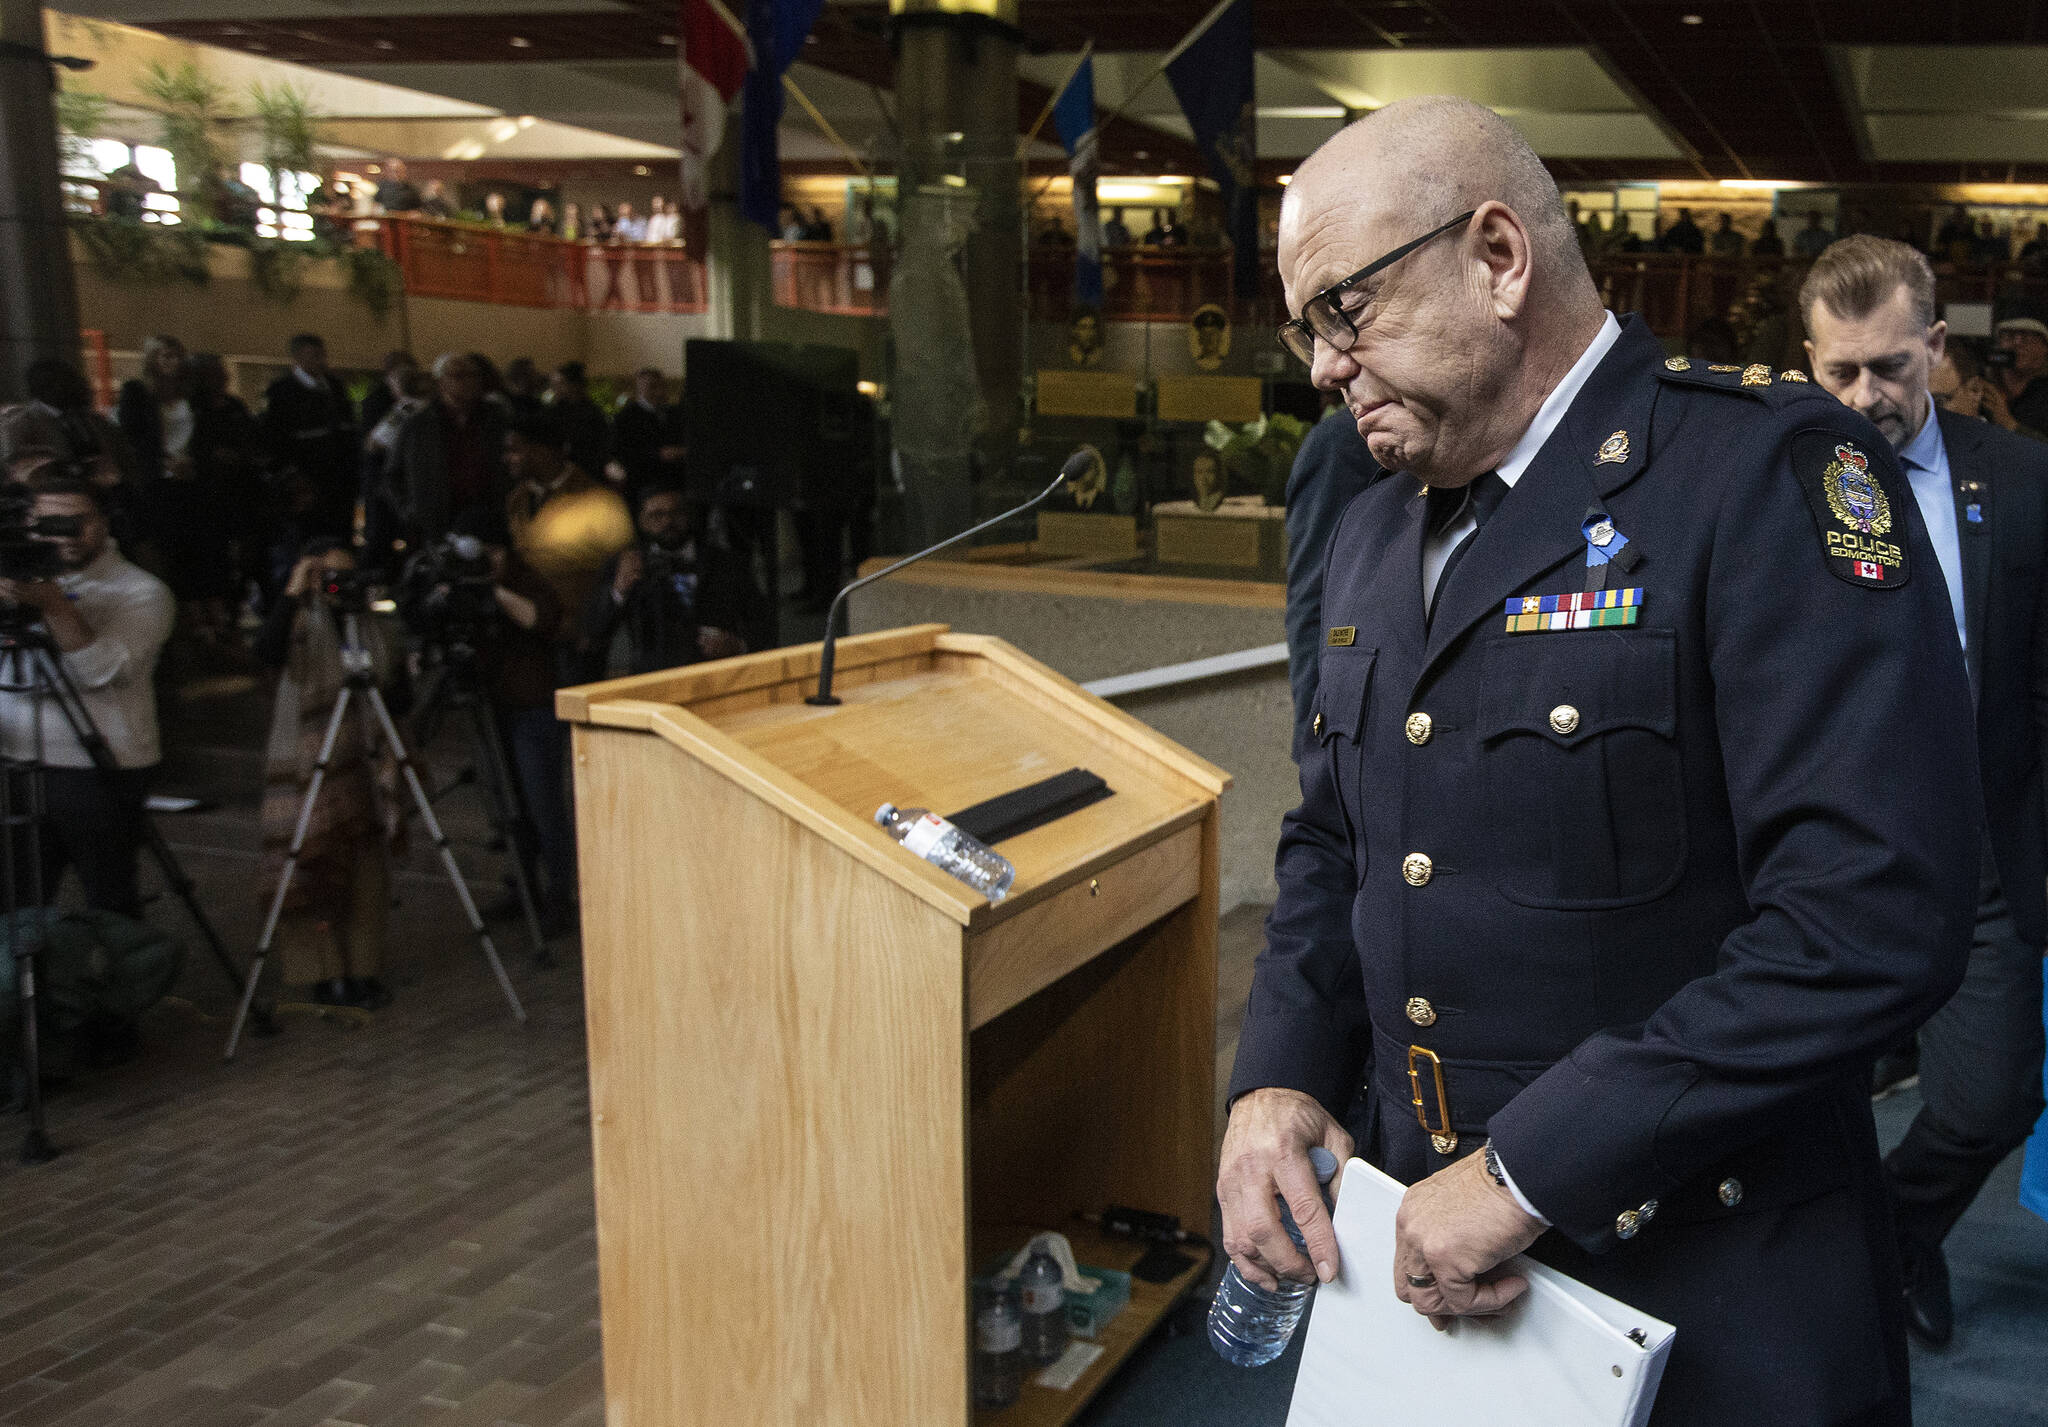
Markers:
{"x": 1861, "y": 524}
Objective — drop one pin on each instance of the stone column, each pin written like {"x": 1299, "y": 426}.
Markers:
{"x": 957, "y": 182}
{"x": 736, "y": 265}
{"x": 38, "y": 299}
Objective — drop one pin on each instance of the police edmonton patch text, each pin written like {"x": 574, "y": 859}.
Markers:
{"x": 1852, "y": 510}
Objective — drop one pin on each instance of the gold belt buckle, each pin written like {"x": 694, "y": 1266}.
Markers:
{"x": 1441, "y": 1136}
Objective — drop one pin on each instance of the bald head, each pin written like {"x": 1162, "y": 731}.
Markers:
{"x": 1423, "y": 161}
{"x": 1456, "y": 344}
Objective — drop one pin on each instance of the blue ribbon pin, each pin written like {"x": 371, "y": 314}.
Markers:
{"x": 1603, "y": 541}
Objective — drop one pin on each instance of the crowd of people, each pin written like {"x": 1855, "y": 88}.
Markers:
{"x": 339, "y": 202}
{"x": 204, "y": 520}
{"x": 1962, "y": 241}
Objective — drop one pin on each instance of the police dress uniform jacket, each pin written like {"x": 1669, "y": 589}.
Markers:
{"x": 1331, "y": 467}
{"x": 1651, "y": 893}
{"x": 2001, "y": 494}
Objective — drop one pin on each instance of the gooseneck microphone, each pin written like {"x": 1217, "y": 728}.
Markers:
{"x": 1076, "y": 467}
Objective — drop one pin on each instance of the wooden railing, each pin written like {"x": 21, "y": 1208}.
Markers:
{"x": 514, "y": 269}
{"x": 848, "y": 279}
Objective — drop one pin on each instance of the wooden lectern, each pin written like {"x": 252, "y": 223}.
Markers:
{"x": 827, "y": 1080}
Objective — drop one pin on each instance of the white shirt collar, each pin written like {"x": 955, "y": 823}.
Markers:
{"x": 306, "y": 378}
{"x": 1558, "y": 403}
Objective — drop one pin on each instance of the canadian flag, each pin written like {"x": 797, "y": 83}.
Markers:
{"x": 713, "y": 57}
{"x": 1869, "y": 570}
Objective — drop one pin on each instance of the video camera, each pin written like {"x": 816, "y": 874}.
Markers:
{"x": 348, "y": 591}
{"x": 448, "y": 594}
{"x": 26, "y": 548}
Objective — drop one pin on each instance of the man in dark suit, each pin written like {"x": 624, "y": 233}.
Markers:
{"x": 1331, "y": 467}
{"x": 1869, "y": 307}
{"x": 1641, "y": 809}
{"x": 647, "y": 436}
{"x": 309, "y": 424}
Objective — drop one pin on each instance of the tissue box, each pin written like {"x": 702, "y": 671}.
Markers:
{"x": 1087, "y": 1314}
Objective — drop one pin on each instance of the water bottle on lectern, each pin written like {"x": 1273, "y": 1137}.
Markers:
{"x": 949, "y": 849}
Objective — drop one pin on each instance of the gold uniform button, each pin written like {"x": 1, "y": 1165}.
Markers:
{"x": 1317, "y": 727}
{"x": 1420, "y": 728}
{"x": 1627, "y": 1224}
{"x": 1564, "y": 719}
{"x": 1418, "y": 869}
{"x": 1421, "y": 1012}
{"x": 1648, "y": 1211}
{"x": 1730, "y": 1192}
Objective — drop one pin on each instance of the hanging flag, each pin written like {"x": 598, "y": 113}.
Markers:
{"x": 1211, "y": 75}
{"x": 776, "y": 30}
{"x": 712, "y": 55}
{"x": 1073, "y": 114}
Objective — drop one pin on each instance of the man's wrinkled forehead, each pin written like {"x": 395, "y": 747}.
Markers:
{"x": 1335, "y": 230}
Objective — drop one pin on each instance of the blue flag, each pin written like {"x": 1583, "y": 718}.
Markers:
{"x": 1074, "y": 117}
{"x": 1212, "y": 79}
{"x": 776, "y": 29}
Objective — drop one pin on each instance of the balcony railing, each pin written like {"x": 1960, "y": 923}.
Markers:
{"x": 472, "y": 264}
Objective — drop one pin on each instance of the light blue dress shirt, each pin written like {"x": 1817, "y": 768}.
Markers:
{"x": 1926, "y": 461}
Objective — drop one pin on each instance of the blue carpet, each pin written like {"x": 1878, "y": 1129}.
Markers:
{"x": 1994, "y": 1375}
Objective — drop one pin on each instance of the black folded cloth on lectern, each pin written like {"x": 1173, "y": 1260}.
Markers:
{"x": 1034, "y": 806}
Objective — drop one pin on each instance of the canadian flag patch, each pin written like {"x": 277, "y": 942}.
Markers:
{"x": 1869, "y": 570}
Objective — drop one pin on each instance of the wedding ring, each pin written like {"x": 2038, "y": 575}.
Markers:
{"x": 1422, "y": 1280}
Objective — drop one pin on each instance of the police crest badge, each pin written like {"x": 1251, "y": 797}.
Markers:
{"x": 1851, "y": 509}
{"x": 1613, "y": 451}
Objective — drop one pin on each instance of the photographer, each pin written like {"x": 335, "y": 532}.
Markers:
{"x": 679, "y": 596}
{"x": 107, "y": 620}
{"x": 332, "y": 930}
{"x": 515, "y": 664}
{"x": 564, "y": 524}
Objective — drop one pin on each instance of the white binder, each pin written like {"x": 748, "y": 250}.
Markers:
{"x": 1562, "y": 1355}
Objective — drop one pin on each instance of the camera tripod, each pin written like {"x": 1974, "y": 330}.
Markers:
{"x": 33, "y": 669}
{"x": 457, "y": 685}
{"x": 358, "y": 682}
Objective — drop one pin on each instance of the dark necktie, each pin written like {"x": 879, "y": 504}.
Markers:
{"x": 1482, "y": 498}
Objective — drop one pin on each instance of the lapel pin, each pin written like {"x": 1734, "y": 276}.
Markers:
{"x": 1613, "y": 451}
{"x": 1974, "y": 513}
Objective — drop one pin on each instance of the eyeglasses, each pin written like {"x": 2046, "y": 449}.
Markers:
{"x": 1322, "y": 317}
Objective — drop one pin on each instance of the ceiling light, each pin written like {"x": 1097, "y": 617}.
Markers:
{"x": 1285, "y": 179}
{"x": 375, "y": 168}
{"x": 1691, "y": 20}
{"x": 1141, "y": 154}
{"x": 668, "y": 39}
{"x": 1301, "y": 111}
{"x": 520, "y": 42}
{"x": 1766, "y": 184}
{"x": 639, "y": 170}
{"x": 387, "y": 44}
{"x": 1174, "y": 178}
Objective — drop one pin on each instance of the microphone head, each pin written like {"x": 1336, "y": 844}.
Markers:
{"x": 1080, "y": 463}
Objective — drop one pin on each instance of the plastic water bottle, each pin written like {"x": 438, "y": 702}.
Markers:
{"x": 1044, "y": 1291}
{"x": 948, "y": 849}
{"x": 1248, "y": 1326}
{"x": 998, "y": 1346}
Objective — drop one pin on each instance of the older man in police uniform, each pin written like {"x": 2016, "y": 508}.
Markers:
{"x": 1621, "y": 819}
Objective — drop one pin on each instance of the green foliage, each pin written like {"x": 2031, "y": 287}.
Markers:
{"x": 288, "y": 126}
{"x": 278, "y": 269}
{"x": 82, "y": 117}
{"x": 190, "y": 110}
{"x": 145, "y": 254}
{"x": 373, "y": 279}
{"x": 1258, "y": 455}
